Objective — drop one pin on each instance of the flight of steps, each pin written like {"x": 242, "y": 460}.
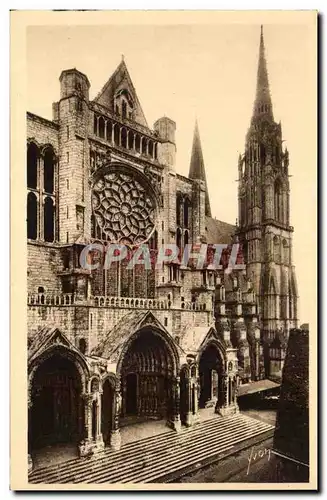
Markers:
{"x": 161, "y": 457}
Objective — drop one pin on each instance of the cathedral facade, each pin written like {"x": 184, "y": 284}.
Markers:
{"x": 109, "y": 344}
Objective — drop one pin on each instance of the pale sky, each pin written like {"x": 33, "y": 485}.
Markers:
{"x": 208, "y": 72}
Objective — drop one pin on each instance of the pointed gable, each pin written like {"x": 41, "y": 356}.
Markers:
{"x": 45, "y": 338}
{"x": 113, "y": 343}
{"x": 119, "y": 86}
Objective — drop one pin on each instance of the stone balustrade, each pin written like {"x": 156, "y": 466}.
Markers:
{"x": 43, "y": 299}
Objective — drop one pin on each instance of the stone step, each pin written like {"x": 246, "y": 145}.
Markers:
{"x": 134, "y": 447}
{"x": 194, "y": 453}
{"x": 181, "y": 444}
{"x": 68, "y": 471}
{"x": 164, "y": 453}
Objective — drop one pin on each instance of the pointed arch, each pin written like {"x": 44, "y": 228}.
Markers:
{"x": 33, "y": 154}
{"x": 32, "y": 211}
{"x": 101, "y": 127}
{"x": 278, "y": 201}
{"x": 49, "y": 220}
{"x": 49, "y": 161}
{"x": 123, "y": 138}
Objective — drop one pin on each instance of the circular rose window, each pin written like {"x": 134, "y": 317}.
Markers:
{"x": 123, "y": 208}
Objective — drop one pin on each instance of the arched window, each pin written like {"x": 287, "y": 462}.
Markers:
{"x": 31, "y": 216}
{"x": 150, "y": 148}
{"x": 285, "y": 251}
{"x": 101, "y": 127}
{"x": 272, "y": 301}
{"x": 130, "y": 140}
{"x": 278, "y": 201}
{"x": 138, "y": 143}
{"x": 123, "y": 141}
{"x": 48, "y": 172}
{"x": 48, "y": 220}
{"x": 116, "y": 135}
{"x": 32, "y": 165}
{"x": 178, "y": 210}
{"x": 109, "y": 131}
{"x": 276, "y": 249}
{"x": 144, "y": 142}
{"x": 124, "y": 109}
{"x": 186, "y": 213}
{"x": 179, "y": 239}
{"x": 186, "y": 238}
{"x": 156, "y": 150}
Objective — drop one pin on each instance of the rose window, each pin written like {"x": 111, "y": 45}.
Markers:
{"x": 123, "y": 209}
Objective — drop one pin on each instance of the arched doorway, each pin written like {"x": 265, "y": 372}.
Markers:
{"x": 211, "y": 370}
{"x": 56, "y": 415}
{"x": 147, "y": 374}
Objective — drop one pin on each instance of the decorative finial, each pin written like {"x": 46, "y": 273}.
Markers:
{"x": 122, "y": 58}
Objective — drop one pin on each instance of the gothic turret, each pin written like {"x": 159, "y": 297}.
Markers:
{"x": 197, "y": 169}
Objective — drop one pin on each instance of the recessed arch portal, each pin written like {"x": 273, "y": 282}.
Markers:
{"x": 148, "y": 368}
{"x": 211, "y": 372}
{"x": 56, "y": 413}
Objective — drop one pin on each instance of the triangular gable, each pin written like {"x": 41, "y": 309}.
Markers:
{"x": 211, "y": 335}
{"x": 112, "y": 344}
{"x": 150, "y": 320}
{"x": 45, "y": 338}
{"x": 193, "y": 338}
{"x": 119, "y": 81}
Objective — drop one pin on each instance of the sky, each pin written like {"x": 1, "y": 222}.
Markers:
{"x": 204, "y": 72}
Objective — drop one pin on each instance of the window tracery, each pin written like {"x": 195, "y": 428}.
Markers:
{"x": 124, "y": 211}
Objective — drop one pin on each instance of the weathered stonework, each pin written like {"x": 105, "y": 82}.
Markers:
{"x": 204, "y": 331}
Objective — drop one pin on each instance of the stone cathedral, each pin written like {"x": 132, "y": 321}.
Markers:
{"x": 109, "y": 346}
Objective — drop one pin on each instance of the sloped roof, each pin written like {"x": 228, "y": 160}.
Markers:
{"x": 219, "y": 231}
{"x": 258, "y": 386}
{"x": 192, "y": 337}
{"x": 45, "y": 338}
{"x": 120, "y": 80}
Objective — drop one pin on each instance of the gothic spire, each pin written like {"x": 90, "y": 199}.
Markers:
{"x": 197, "y": 170}
{"x": 262, "y": 104}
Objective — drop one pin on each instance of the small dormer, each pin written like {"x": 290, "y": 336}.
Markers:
{"x": 124, "y": 104}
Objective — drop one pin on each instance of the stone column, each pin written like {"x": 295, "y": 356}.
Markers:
{"x": 175, "y": 421}
{"x": 188, "y": 394}
{"x": 115, "y": 437}
{"x": 113, "y": 133}
{"x": 29, "y": 457}
{"x": 86, "y": 445}
{"x": 196, "y": 397}
{"x": 225, "y": 396}
{"x": 105, "y": 129}
{"x": 99, "y": 443}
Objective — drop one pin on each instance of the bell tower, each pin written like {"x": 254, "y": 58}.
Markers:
{"x": 264, "y": 217}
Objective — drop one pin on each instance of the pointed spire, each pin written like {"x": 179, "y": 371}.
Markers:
{"x": 262, "y": 104}
{"x": 197, "y": 170}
